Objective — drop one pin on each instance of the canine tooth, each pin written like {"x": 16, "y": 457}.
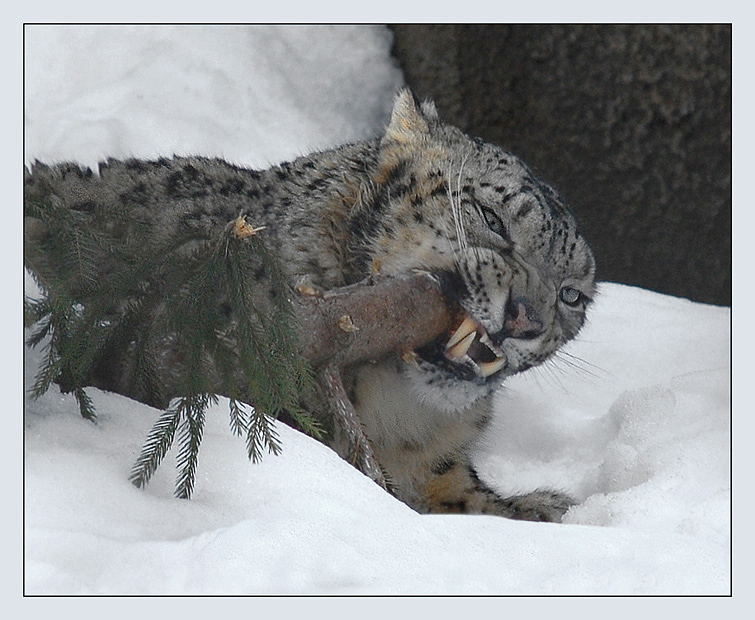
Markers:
{"x": 461, "y": 347}
{"x": 485, "y": 339}
{"x": 489, "y": 368}
{"x": 467, "y": 326}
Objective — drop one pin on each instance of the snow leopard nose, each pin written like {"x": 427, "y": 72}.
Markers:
{"x": 520, "y": 320}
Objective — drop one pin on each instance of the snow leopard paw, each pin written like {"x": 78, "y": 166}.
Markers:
{"x": 540, "y": 505}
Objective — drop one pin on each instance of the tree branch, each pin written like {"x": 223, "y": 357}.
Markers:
{"x": 360, "y": 453}
{"x": 362, "y": 322}
{"x": 370, "y": 319}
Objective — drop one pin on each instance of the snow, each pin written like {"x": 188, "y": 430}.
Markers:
{"x": 633, "y": 418}
{"x": 254, "y": 95}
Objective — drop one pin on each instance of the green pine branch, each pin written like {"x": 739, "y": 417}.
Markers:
{"x": 121, "y": 303}
{"x": 190, "y": 437}
{"x": 261, "y": 435}
{"x": 159, "y": 440}
{"x": 239, "y": 417}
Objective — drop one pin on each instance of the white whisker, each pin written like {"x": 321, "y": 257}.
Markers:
{"x": 582, "y": 367}
{"x": 558, "y": 372}
{"x": 454, "y": 199}
{"x": 455, "y": 248}
{"x": 459, "y": 216}
{"x": 553, "y": 374}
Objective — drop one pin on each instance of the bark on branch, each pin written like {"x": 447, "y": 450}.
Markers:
{"x": 363, "y": 322}
{"x": 371, "y": 319}
{"x": 360, "y": 453}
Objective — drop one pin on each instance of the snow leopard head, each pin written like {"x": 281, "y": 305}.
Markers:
{"x": 503, "y": 246}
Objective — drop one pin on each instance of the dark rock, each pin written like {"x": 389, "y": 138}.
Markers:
{"x": 631, "y": 123}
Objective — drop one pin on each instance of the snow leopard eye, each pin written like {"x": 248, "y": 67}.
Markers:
{"x": 493, "y": 221}
{"x": 570, "y": 296}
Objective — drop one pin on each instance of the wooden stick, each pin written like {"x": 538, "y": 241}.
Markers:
{"x": 363, "y": 322}
{"x": 360, "y": 454}
{"x": 371, "y": 319}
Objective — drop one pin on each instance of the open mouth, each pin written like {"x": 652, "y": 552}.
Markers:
{"x": 468, "y": 353}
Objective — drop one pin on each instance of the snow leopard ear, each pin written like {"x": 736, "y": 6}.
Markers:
{"x": 429, "y": 110}
{"x": 409, "y": 119}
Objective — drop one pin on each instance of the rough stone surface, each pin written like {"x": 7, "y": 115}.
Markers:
{"x": 631, "y": 123}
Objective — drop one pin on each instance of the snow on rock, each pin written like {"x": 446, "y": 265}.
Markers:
{"x": 632, "y": 419}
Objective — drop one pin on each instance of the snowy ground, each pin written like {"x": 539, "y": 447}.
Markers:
{"x": 633, "y": 419}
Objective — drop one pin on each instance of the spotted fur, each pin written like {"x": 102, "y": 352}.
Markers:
{"x": 425, "y": 196}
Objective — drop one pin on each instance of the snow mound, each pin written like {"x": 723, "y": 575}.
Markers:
{"x": 253, "y": 95}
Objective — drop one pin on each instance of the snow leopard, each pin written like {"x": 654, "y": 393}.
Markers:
{"x": 424, "y": 196}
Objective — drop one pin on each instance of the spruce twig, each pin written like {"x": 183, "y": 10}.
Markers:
{"x": 190, "y": 437}
{"x": 159, "y": 440}
{"x": 166, "y": 296}
{"x": 239, "y": 418}
{"x": 261, "y": 435}
{"x": 268, "y": 356}
{"x": 86, "y": 407}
